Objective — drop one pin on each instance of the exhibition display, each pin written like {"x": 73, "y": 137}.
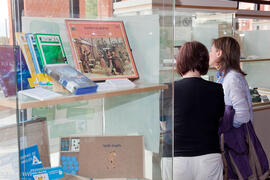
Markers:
{"x": 82, "y": 96}
{"x": 86, "y": 86}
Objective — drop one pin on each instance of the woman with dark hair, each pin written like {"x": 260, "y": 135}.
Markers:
{"x": 243, "y": 153}
{"x": 198, "y": 107}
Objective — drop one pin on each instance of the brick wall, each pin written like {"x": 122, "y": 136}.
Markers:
{"x": 61, "y": 8}
{"x": 105, "y": 8}
{"x": 10, "y": 23}
{"x": 82, "y": 8}
{"x": 46, "y": 8}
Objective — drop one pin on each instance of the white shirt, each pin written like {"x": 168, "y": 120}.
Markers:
{"x": 236, "y": 93}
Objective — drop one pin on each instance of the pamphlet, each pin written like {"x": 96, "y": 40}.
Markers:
{"x": 47, "y": 173}
{"x": 120, "y": 83}
{"x": 40, "y": 93}
{"x": 29, "y": 160}
{"x": 114, "y": 84}
{"x": 21, "y": 39}
{"x": 24, "y": 79}
{"x": 34, "y": 52}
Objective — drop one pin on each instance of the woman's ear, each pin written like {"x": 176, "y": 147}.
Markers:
{"x": 219, "y": 53}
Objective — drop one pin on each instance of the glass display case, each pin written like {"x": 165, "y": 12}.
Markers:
{"x": 252, "y": 32}
{"x": 121, "y": 124}
{"x": 255, "y": 56}
{"x": 115, "y": 130}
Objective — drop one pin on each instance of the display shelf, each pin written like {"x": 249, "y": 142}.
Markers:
{"x": 253, "y": 60}
{"x": 261, "y": 107}
{"x": 7, "y": 103}
{"x": 170, "y": 68}
{"x": 140, "y": 88}
{"x": 260, "y": 104}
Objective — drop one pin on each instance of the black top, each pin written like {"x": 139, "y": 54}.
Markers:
{"x": 198, "y": 107}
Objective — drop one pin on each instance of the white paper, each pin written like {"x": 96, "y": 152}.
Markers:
{"x": 40, "y": 93}
{"x": 148, "y": 164}
{"x": 120, "y": 83}
{"x": 105, "y": 87}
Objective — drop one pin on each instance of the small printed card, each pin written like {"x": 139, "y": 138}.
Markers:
{"x": 48, "y": 173}
{"x": 75, "y": 145}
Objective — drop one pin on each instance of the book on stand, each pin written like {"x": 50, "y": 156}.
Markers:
{"x": 71, "y": 79}
{"x": 50, "y": 49}
{"x": 24, "y": 78}
{"x": 42, "y": 77}
{"x": 101, "y": 49}
{"x": 21, "y": 39}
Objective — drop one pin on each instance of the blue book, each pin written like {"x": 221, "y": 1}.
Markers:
{"x": 31, "y": 41}
{"x": 23, "y": 72}
{"x": 71, "y": 79}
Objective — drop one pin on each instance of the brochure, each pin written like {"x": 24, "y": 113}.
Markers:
{"x": 29, "y": 160}
{"x": 47, "y": 173}
{"x": 40, "y": 93}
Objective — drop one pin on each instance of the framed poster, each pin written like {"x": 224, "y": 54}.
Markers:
{"x": 101, "y": 50}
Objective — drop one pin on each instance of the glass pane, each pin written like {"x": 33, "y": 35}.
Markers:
{"x": 203, "y": 27}
{"x": 9, "y": 160}
{"x": 256, "y": 73}
{"x": 249, "y": 31}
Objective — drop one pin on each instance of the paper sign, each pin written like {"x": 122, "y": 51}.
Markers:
{"x": 48, "y": 173}
{"x": 30, "y": 160}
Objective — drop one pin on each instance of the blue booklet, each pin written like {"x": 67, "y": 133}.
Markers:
{"x": 23, "y": 73}
{"x": 74, "y": 81}
{"x": 29, "y": 160}
{"x": 31, "y": 41}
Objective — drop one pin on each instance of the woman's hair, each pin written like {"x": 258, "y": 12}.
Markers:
{"x": 192, "y": 56}
{"x": 230, "y": 58}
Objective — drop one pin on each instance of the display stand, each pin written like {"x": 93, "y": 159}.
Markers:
{"x": 57, "y": 87}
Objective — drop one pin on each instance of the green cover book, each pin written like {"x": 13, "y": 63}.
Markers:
{"x": 50, "y": 48}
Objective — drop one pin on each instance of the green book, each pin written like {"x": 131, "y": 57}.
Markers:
{"x": 50, "y": 49}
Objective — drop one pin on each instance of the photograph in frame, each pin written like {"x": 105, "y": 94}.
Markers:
{"x": 101, "y": 50}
